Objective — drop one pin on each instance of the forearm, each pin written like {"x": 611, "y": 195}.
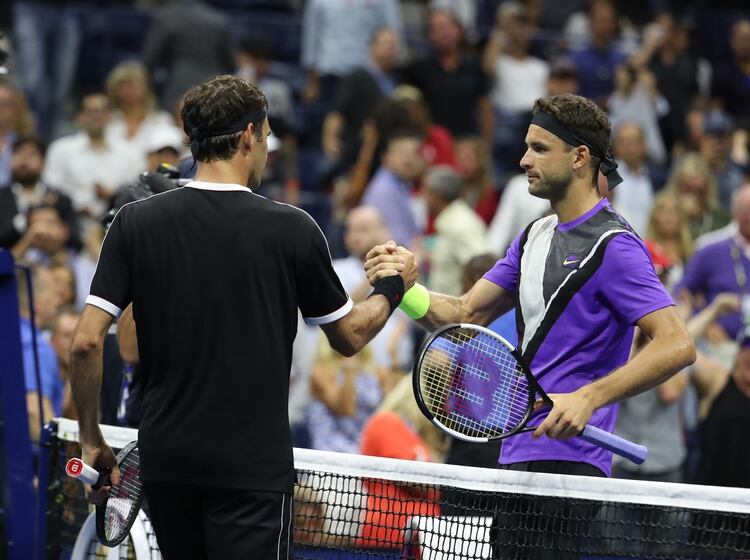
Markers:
{"x": 333, "y": 125}
{"x": 86, "y": 380}
{"x": 659, "y": 360}
{"x": 127, "y": 339}
{"x": 351, "y": 333}
{"x": 445, "y": 309}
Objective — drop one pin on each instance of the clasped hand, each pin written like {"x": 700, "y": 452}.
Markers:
{"x": 388, "y": 260}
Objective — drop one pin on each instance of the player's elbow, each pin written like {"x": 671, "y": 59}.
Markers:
{"x": 684, "y": 350}
{"x": 84, "y": 345}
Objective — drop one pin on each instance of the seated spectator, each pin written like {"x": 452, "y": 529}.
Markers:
{"x": 398, "y": 430}
{"x": 45, "y": 243}
{"x": 475, "y": 166}
{"x": 135, "y": 116}
{"x": 27, "y": 190}
{"x": 390, "y": 189}
{"x": 61, "y": 339}
{"x": 459, "y": 231}
{"x": 364, "y": 228}
{"x": 563, "y": 77}
{"x": 634, "y": 197}
{"x": 437, "y": 144}
{"x": 15, "y": 120}
{"x": 345, "y": 392}
{"x": 598, "y": 58}
{"x": 51, "y": 389}
{"x": 165, "y": 146}
{"x": 716, "y": 149}
{"x": 87, "y": 166}
{"x": 668, "y": 233}
{"x": 519, "y": 80}
{"x": 723, "y": 266}
{"x": 693, "y": 184}
{"x": 357, "y": 95}
{"x": 253, "y": 62}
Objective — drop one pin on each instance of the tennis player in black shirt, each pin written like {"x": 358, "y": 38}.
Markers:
{"x": 216, "y": 274}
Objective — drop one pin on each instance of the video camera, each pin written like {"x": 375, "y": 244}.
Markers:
{"x": 165, "y": 178}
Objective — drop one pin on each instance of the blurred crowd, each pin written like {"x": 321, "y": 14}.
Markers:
{"x": 406, "y": 121}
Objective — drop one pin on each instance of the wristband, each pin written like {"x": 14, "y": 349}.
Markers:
{"x": 416, "y": 302}
{"x": 392, "y": 287}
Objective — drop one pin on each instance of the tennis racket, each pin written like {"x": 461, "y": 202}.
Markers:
{"x": 116, "y": 516}
{"x": 471, "y": 383}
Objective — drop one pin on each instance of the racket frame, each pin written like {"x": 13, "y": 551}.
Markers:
{"x": 534, "y": 388}
{"x": 101, "y": 510}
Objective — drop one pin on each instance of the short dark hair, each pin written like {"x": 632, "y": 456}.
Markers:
{"x": 216, "y": 104}
{"x": 583, "y": 117}
{"x": 84, "y": 95}
{"x": 26, "y": 140}
{"x": 258, "y": 46}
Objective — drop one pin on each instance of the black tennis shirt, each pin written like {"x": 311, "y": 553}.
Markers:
{"x": 216, "y": 274}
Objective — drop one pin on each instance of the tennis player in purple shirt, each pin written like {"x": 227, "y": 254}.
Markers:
{"x": 580, "y": 280}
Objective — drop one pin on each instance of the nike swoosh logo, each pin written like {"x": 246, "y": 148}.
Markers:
{"x": 566, "y": 262}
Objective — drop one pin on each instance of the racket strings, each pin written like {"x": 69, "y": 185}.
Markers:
{"x": 473, "y": 383}
{"x": 124, "y": 498}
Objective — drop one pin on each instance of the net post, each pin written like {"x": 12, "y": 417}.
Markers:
{"x": 46, "y": 462}
{"x": 16, "y": 473}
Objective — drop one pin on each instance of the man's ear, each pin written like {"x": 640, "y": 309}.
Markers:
{"x": 582, "y": 157}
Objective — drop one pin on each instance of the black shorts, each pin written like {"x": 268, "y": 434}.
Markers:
{"x": 202, "y": 522}
{"x": 541, "y": 527}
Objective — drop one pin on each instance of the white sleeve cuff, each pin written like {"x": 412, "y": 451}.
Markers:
{"x": 104, "y": 305}
{"x": 331, "y": 317}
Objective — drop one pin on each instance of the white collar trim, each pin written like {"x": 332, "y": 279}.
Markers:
{"x": 206, "y": 186}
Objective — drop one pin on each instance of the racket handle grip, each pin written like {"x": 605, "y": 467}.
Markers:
{"x": 620, "y": 446}
{"x": 80, "y": 470}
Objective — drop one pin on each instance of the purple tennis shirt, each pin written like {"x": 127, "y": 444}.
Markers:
{"x": 581, "y": 288}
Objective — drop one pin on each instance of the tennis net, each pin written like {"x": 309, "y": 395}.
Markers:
{"x": 351, "y": 506}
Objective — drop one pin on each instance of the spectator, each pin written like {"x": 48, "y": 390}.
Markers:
{"x": 635, "y": 196}
{"x": 390, "y": 189}
{"x": 87, "y": 166}
{"x": 345, "y": 391}
{"x": 730, "y": 84}
{"x": 253, "y": 61}
{"x": 715, "y": 147}
{"x": 357, "y": 95}
{"x": 45, "y": 243}
{"x": 665, "y": 52}
{"x": 722, "y": 267}
{"x": 27, "y": 190}
{"x": 334, "y": 39}
{"x": 597, "y": 60}
{"x": 475, "y": 166}
{"x": 398, "y": 430}
{"x": 516, "y": 210}
{"x": 452, "y": 81}
{"x": 15, "y": 120}
{"x": 519, "y": 80}
{"x": 653, "y": 418}
{"x": 51, "y": 390}
{"x": 637, "y": 100}
{"x": 62, "y": 280}
{"x": 165, "y": 146}
{"x": 693, "y": 184}
{"x": 563, "y": 77}
{"x": 136, "y": 117}
{"x": 725, "y": 412}
{"x": 668, "y": 234}
{"x": 437, "y": 144}
{"x": 365, "y": 229}
{"x": 172, "y": 47}
{"x": 61, "y": 339}
{"x": 459, "y": 232}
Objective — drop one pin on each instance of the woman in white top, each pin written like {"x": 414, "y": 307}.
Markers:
{"x": 135, "y": 114}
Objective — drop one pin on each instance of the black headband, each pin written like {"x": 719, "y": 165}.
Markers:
{"x": 196, "y": 133}
{"x": 608, "y": 164}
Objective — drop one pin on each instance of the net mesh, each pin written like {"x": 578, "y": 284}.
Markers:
{"x": 350, "y": 506}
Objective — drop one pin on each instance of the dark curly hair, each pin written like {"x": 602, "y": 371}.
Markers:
{"x": 214, "y": 105}
{"x": 583, "y": 117}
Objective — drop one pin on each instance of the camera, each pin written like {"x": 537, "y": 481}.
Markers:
{"x": 165, "y": 178}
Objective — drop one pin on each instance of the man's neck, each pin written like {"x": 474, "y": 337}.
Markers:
{"x": 449, "y": 60}
{"x": 97, "y": 140}
{"x": 221, "y": 172}
{"x": 580, "y": 198}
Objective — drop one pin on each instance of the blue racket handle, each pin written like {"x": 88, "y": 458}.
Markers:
{"x": 622, "y": 447}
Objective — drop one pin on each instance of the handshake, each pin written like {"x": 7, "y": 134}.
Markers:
{"x": 391, "y": 260}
